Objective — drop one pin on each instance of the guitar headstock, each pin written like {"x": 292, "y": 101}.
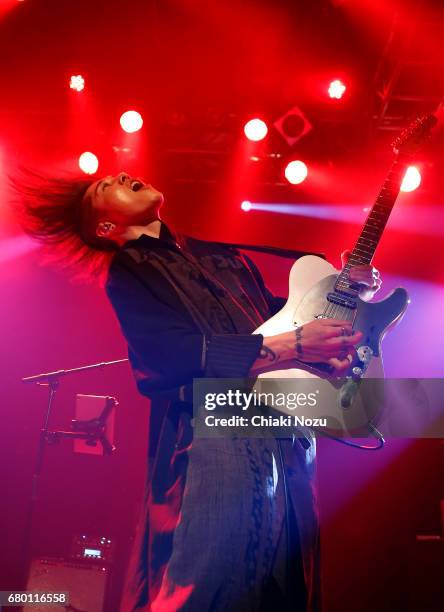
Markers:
{"x": 412, "y": 138}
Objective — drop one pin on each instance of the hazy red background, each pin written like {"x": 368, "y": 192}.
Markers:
{"x": 196, "y": 70}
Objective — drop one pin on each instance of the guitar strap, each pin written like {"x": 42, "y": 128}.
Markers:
{"x": 290, "y": 253}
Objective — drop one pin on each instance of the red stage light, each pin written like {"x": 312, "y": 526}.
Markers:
{"x": 88, "y": 162}
{"x": 296, "y": 172}
{"x": 246, "y": 205}
{"x": 77, "y": 82}
{"x": 411, "y": 180}
{"x": 336, "y": 89}
{"x": 255, "y": 130}
{"x": 131, "y": 121}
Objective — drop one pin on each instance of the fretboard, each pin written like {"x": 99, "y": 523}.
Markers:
{"x": 374, "y": 226}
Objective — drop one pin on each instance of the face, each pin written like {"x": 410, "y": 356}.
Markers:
{"x": 124, "y": 200}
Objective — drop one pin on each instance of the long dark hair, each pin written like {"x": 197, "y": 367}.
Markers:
{"x": 55, "y": 211}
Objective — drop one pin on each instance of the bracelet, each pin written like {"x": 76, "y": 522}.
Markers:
{"x": 298, "y": 333}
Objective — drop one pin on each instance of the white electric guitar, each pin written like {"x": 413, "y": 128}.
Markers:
{"x": 317, "y": 290}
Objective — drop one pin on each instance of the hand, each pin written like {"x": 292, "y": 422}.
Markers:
{"x": 365, "y": 275}
{"x": 328, "y": 341}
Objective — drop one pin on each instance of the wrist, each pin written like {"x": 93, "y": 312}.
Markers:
{"x": 268, "y": 355}
{"x": 298, "y": 343}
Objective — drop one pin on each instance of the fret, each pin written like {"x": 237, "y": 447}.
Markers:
{"x": 390, "y": 201}
{"x": 390, "y": 189}
{"x": 391, "y": 184}
{"x": 361, "y": 251}
{"x": 379, "y": 209}
{"x": 366, "y": 241}
{"x": 366, "y": 232}
{"x": 344, "y": 283}
{"x": 388, "y": 194}
{"x": 394, "y": 180}
{"x": 374, "y": 225}
{"x": 359, "y": 261}
{"x": 373, "y": 222}
{"x": 361, "y": 255}
{"x": 365, "y": 246}
{"x": 386, "y": 201}
{"x": 382, "y": 214}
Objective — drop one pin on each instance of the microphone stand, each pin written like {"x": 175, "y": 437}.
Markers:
{"x": 93, "y": 431}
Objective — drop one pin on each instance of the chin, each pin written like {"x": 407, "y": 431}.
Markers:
{"x": 157, "y": 199}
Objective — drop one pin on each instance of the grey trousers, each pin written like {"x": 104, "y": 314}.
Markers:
{"x": 236, "y": 545}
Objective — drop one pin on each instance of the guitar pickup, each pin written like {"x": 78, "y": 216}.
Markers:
{"x": 341, "y": 300}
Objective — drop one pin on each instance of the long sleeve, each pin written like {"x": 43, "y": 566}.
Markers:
{"x": 165, "y": 347}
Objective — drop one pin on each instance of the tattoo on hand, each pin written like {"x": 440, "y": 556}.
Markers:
{"x": 267, "y": 353}
{"x": 299, "y": 349}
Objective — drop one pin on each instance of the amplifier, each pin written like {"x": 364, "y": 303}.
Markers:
{"x": 85, "y": 584}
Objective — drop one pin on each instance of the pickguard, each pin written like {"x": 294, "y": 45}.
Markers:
{"x": 311, "y": 279}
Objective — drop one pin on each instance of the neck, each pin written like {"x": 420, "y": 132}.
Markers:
{"x": 132, "y": 232}
{"x": 365, "y": 247}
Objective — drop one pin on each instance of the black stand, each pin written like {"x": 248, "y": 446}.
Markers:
{"x": 93, "y": 431}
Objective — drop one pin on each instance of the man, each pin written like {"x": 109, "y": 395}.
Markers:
{"x": 228, "y": 524}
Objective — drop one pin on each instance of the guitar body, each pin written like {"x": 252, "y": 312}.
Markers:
{"x": 311, "y": 280}
{"x": 318, "y": 290}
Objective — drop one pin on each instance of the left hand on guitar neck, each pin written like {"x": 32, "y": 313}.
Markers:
{"x": 366, "y": 275}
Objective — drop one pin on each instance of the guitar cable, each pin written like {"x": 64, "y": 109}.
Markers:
{"x": 373, "y": 430}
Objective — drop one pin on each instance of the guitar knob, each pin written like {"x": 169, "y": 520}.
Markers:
{"x": 365, "y": 353}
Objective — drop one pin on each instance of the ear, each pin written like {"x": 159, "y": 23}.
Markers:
{"x": 105, "y": 229}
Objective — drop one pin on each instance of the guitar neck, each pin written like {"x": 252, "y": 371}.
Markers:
{"x": 374, "y": 226}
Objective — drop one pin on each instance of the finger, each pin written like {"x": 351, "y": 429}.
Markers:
{"x": 336, "y": 322}
{"x": 359, "y": 275}
{"x": 371, "y": 288}
{"x": 362, "y": 267}
{"x": 338, "y": 332}
{"x": 365, "y": 282}
{"x": 339, "y": 364}
{"x": 344, "y": 341}
{"x": 345, "y": 256}
{"x": 363, "y": 271}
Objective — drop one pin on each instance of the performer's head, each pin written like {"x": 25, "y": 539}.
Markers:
{"x": 115, "y": 204}
{"x": 82, "y": 222}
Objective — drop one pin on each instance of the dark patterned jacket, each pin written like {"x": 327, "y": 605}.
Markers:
{"x": 187, "y": 309}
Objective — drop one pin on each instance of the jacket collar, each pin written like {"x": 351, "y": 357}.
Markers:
{"x": 167, "y": 237}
